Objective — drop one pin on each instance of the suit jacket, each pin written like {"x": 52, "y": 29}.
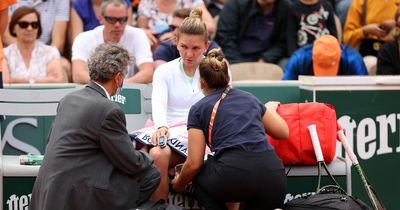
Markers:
{"x": 90, "y": 162}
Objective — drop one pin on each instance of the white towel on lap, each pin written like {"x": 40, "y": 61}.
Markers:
{"x": 178, "y": 138}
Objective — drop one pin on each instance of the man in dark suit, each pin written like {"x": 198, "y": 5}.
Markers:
{"x": 90, "y": 162}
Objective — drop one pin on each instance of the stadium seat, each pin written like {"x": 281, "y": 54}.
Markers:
{"x": 255, "y": 71}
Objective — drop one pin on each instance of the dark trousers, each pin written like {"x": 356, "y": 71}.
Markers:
{"x": 148, "y": 184}
{"x": 257, "y": 179}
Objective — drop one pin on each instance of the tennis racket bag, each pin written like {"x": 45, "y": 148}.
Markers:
{"x": 298, "y": 149}
{"x": 329, "y": 197}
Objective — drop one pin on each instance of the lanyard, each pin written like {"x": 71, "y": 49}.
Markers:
{"x": 214, "y": 112}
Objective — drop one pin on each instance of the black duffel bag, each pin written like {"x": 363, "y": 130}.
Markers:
{"x": 330, "y": 197}
{"x": 159, "y": 205}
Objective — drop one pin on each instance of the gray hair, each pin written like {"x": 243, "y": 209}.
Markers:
{"x": 105, "y": 3}
{"x": 107, "y": 60}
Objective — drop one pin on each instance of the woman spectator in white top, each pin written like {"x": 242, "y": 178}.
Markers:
{"x": 175, "y": 90}
{"x": 29, "y": 60}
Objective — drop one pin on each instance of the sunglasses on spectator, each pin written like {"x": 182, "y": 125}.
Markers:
{"x": 113, "y": 20}
{"x": 172, "y": 27}
{"x": 25, "y": 24}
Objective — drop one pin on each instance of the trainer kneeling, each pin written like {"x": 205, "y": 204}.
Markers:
{"x": 245, "y": 167}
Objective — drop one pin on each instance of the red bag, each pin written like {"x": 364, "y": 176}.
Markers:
{"x": 298, "y": 148}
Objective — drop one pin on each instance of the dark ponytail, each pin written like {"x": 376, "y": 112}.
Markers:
{"x": 214, "y": 69}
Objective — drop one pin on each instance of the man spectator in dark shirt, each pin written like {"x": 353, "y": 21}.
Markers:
{"x": 308, "y": 20}
{"x": 253, "y": 30}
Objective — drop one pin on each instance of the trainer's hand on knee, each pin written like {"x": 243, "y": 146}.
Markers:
{"x": 176, "y": 186}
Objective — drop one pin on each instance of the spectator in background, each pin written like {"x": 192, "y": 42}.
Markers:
{"x": 253, "y": 30}
{"x": 389, "y": 54}
{"x": 167, "y": 51}
{"x": 372, "y": 23}
{"x": 215, "y": 6}
{"x": 55, "y": 16}
{"x": 85, "y": 16}
{"x": 325, "y": 57}
{"x": 308, "y": 20}
{"x": 29, "y": 60}
{"x": 114, "y": 30}
{"x": 3, "y": 25}
{"x": 155, "y": 15}
{"x": 368, "y": 25}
